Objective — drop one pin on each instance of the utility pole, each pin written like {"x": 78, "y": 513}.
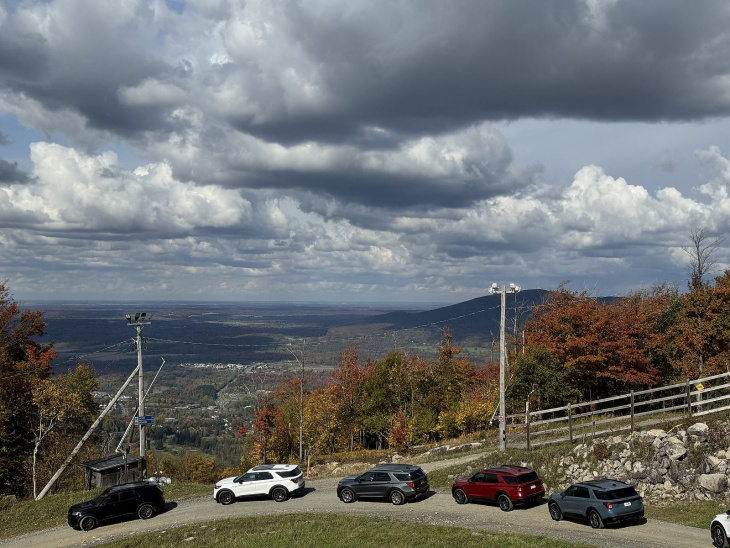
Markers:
{"x": 301, "y": 400}
{"x": 139, "y": 320}
{"x": 502, "y": 360}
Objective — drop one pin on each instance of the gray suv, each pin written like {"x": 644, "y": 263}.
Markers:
{"x": 394, "y": 482}
{"x": 599, "y": 502}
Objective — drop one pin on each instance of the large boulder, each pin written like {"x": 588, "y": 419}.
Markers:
{"x": 713, "y": 483}
{"x": 698, "y": 431}
{"x": 674, "y": 448}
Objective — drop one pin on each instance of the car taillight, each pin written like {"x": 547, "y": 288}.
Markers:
{"x": 410, "y": 484}
{"x": 519, "y": 489}
{"x": 295, "y": 480}
{"x": 608, "y": 505}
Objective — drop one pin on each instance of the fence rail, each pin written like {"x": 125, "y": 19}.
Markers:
{"x": 691, "y": 398}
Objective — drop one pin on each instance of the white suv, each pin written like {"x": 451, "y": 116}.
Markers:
{"x": 720, "y": 529}
{"x": 279, "y": 481}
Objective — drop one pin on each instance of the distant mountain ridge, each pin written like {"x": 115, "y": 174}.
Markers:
{"x": 477, "y": 318}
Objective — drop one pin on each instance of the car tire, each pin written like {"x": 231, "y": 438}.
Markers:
{"x": 146, "y": 511}
{"x": 595, "y": 519}
{"x": 555, "y": 511}
{"x": 505, "y": 503}
{"x": 347, "y": 495}
{"x": 460, "y": 496}
{"x": 397, "y": 497}
{"x": 719, "y": 537}
{"x": 279, "y": 494}
{"x": 87, "y": 523}
{"x": 226, "y": 498}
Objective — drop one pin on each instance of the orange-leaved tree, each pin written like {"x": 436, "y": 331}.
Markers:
{"x": 24, "y": 362}
{"x": 599, "y": 345}
{"x": 701, "y": 335}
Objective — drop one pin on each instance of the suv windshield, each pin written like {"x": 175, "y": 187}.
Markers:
{"x": 524, "y": 478}
{"x": 615, "y": 494}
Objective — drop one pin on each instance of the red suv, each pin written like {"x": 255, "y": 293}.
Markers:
{"x": 507, "y": 485}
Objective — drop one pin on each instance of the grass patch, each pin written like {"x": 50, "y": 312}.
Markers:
{"x": 30, "y": 515}
{"x": 692, "y": 514}
{"x": 317, "y": 530}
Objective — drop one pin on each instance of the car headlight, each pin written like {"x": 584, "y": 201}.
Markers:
{"x": 76, "y": 513}
{"x": 217, "y": 487}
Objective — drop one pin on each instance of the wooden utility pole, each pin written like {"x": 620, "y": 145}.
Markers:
{"x": 139, "y": 320}
{"x": 502, "y": 361}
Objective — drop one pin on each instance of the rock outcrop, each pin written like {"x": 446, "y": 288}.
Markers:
{"x": 661, "y": 465}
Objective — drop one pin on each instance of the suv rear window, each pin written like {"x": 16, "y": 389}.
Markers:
{"x": 411, "y": 476}
{"x": 615, "y": 494}
{"x": 523, "y": 478}
{"x": 289, "y": 473}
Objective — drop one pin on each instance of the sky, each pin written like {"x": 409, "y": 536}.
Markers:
{"x": 359, "y": 151}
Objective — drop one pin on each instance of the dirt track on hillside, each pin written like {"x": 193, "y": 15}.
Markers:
{"x": 437, "y": 509}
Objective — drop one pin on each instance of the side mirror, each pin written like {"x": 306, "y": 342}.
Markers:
{"x": 469, "y": 480}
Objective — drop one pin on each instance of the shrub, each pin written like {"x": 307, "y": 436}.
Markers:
{"x": 602, "y": 451}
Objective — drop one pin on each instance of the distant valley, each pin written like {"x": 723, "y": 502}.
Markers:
{"x": 267, "y": 334}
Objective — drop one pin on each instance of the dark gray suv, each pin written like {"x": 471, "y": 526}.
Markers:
{"x": 599, "y": 502}
{"x": 394, "y": 482}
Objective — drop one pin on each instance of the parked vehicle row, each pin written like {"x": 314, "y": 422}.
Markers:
{"x": 598, "y": 502}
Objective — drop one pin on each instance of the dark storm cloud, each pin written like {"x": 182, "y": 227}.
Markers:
{"x": 9, "y": 173}
{"x": 82, "y": 68}
{"x": 22, "y": 57}
{"x": 429, "y": 67}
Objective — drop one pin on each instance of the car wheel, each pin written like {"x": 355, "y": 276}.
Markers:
{"x": 347, "y": 495}
{"x": 460, "y": 497}
{"x": 87, "y": 523}
{"x": 145, "y": 511}
{"x": 397, "y": 497}
{"x": 505, "y": 503}
{"x": 555, "y": 511}
{"x": 595, "y": 519}
{"x": 226, "y": 497}
{"x": 279, "y": 494}
{"x": 719, "y": 538}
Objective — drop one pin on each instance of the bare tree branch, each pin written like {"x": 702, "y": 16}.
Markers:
{"x": 701, "y": 256}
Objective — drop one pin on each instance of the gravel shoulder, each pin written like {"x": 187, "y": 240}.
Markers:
{"x": 437, "y": 509}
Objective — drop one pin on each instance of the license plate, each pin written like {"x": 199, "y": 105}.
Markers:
{"x": 532, "y": 486}
{"x": 627, "y": 504}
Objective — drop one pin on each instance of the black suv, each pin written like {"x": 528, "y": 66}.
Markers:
{"x": 394, "y": 482}
{"x": 141, "y": 499}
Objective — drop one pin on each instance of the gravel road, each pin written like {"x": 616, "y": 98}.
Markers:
{"x": 437, "y": 509}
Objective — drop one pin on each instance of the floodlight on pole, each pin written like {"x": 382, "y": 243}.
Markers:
{"x": 502, "y": 360}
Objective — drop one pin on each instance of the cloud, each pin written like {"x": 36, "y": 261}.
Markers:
{"x": 281, "y": 149}
{"x": 9, "y": 172}
{"x": 74, "y": 192}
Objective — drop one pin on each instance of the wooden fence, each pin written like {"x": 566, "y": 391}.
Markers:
{"x": 611, "y": 415}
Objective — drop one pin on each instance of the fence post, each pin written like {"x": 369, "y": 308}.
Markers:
{"x": 570, "y": 424}
{"x": 689, "y": 399}
{"x": 527, "y": 422}
{"x": 632, "y": 410}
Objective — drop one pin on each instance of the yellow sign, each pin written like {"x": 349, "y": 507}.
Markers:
{"x": 699, "y": 386}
